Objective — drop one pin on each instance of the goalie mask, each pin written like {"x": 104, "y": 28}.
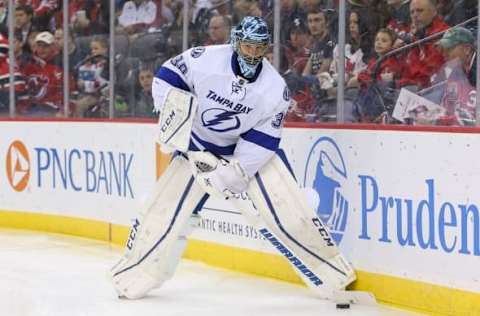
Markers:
{"x": 250, "y": 40}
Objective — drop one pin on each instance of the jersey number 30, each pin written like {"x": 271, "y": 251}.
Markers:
{"x": 180, "y": 64}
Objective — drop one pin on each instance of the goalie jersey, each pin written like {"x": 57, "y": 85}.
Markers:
{"x": 236, "y": 118}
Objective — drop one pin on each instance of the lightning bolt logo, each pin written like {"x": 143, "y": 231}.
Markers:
{"x": 220, "y": 120}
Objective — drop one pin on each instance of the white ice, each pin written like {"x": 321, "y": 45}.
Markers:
{"x": 52, "y": 275}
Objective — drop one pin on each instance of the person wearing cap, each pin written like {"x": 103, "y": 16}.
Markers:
{"x": 45, "y": 47}
{"x": 459, "y": 43}
{"x": 44, "y": 80}
{"x": 451, "y": 88}
{"x": 298, "y": 44}
{"x": 290, "y": 12}
{"x": 459, "y": 75}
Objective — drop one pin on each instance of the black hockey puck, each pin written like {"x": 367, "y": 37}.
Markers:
{"x": 343, "y": 306}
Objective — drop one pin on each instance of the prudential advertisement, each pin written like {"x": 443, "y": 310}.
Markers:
{"x": 402, "y": 204}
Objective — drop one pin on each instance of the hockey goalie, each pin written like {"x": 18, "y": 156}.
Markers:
{"x": 221, "y": 113}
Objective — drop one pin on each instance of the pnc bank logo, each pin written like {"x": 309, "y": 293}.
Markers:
{"x": 326, "y": 176}
{"x": 18, "y": 166}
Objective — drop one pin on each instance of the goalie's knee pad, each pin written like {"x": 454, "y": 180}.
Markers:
{"x": 158, "y": 239}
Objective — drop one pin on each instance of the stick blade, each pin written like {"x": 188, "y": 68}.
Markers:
{"x": 355, "y": 297}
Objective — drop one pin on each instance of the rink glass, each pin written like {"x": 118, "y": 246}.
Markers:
{"x": 134, "y": 52}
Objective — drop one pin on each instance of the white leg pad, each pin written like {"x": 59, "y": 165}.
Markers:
{"x": 158, "y": 237}
{"x": 282, "y": 216}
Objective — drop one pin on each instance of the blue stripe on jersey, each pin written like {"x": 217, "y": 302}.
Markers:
{"x": 172, "y": 78}
{"x": 261, "y": 139}
{"x": 192, "y": 146}
{"x": 219, "y": 150}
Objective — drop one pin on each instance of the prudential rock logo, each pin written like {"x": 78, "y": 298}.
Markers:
{"x": 326, "y": 175}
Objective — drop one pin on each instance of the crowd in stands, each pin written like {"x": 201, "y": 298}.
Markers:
{"x": 374, "y": 77}
{"x": 147, "y": 32}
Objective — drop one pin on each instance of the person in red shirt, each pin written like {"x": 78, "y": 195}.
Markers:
{"x": 18, "y": 80}
{"x": 374, "y": 100}
{"x": 44, "y": 80}
{"x": 425, "y": 59}
{"x": 298, "y": 43}
{"x": 390, "y": 68}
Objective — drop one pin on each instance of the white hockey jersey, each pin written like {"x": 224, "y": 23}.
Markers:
{"x": 236, "y": 117}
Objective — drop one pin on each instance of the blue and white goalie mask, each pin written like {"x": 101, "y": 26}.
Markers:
{"x": 250, "y": 40}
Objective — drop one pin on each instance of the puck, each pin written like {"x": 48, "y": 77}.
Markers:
{"x": 343, "y": 306}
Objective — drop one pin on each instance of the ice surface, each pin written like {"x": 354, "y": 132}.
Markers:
{"x": 53, "y": 275}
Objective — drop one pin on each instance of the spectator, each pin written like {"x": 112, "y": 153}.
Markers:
{"x": 389, "y": 69}
{"x": 356, "y": 50}
{"x": 425, "y": 59}
{"x": 321, "y": 55}
{"x": 369, "y": 10}
{"x": 93, "y": 19}
{"x": 400, "y": 21}
{"x": 137, "y": 15}
{"x": 46, "y": 49}
{"x": 298, "y": 50}
{"x": 322, "y": 43}
{"x": 451, "y": 88}
{"x": 42, "y": 11}
{"x": 203, "y": 11}
{"x": 23, "y": 21}
{"x": 19, "y": 80}
{"x": 377, "y": 99}
{"x": 303, "y": 103}
{"x": 44, "y": 80}
{"x": 74, "y": 53}
{"x": 289, "y": 13}
{"x": 218, "y": 30}
{"x": 144, "y": 100}
{"x": 92, "y": 75}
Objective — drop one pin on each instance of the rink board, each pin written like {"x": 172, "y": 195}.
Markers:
{"x": 411, "y": 228}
